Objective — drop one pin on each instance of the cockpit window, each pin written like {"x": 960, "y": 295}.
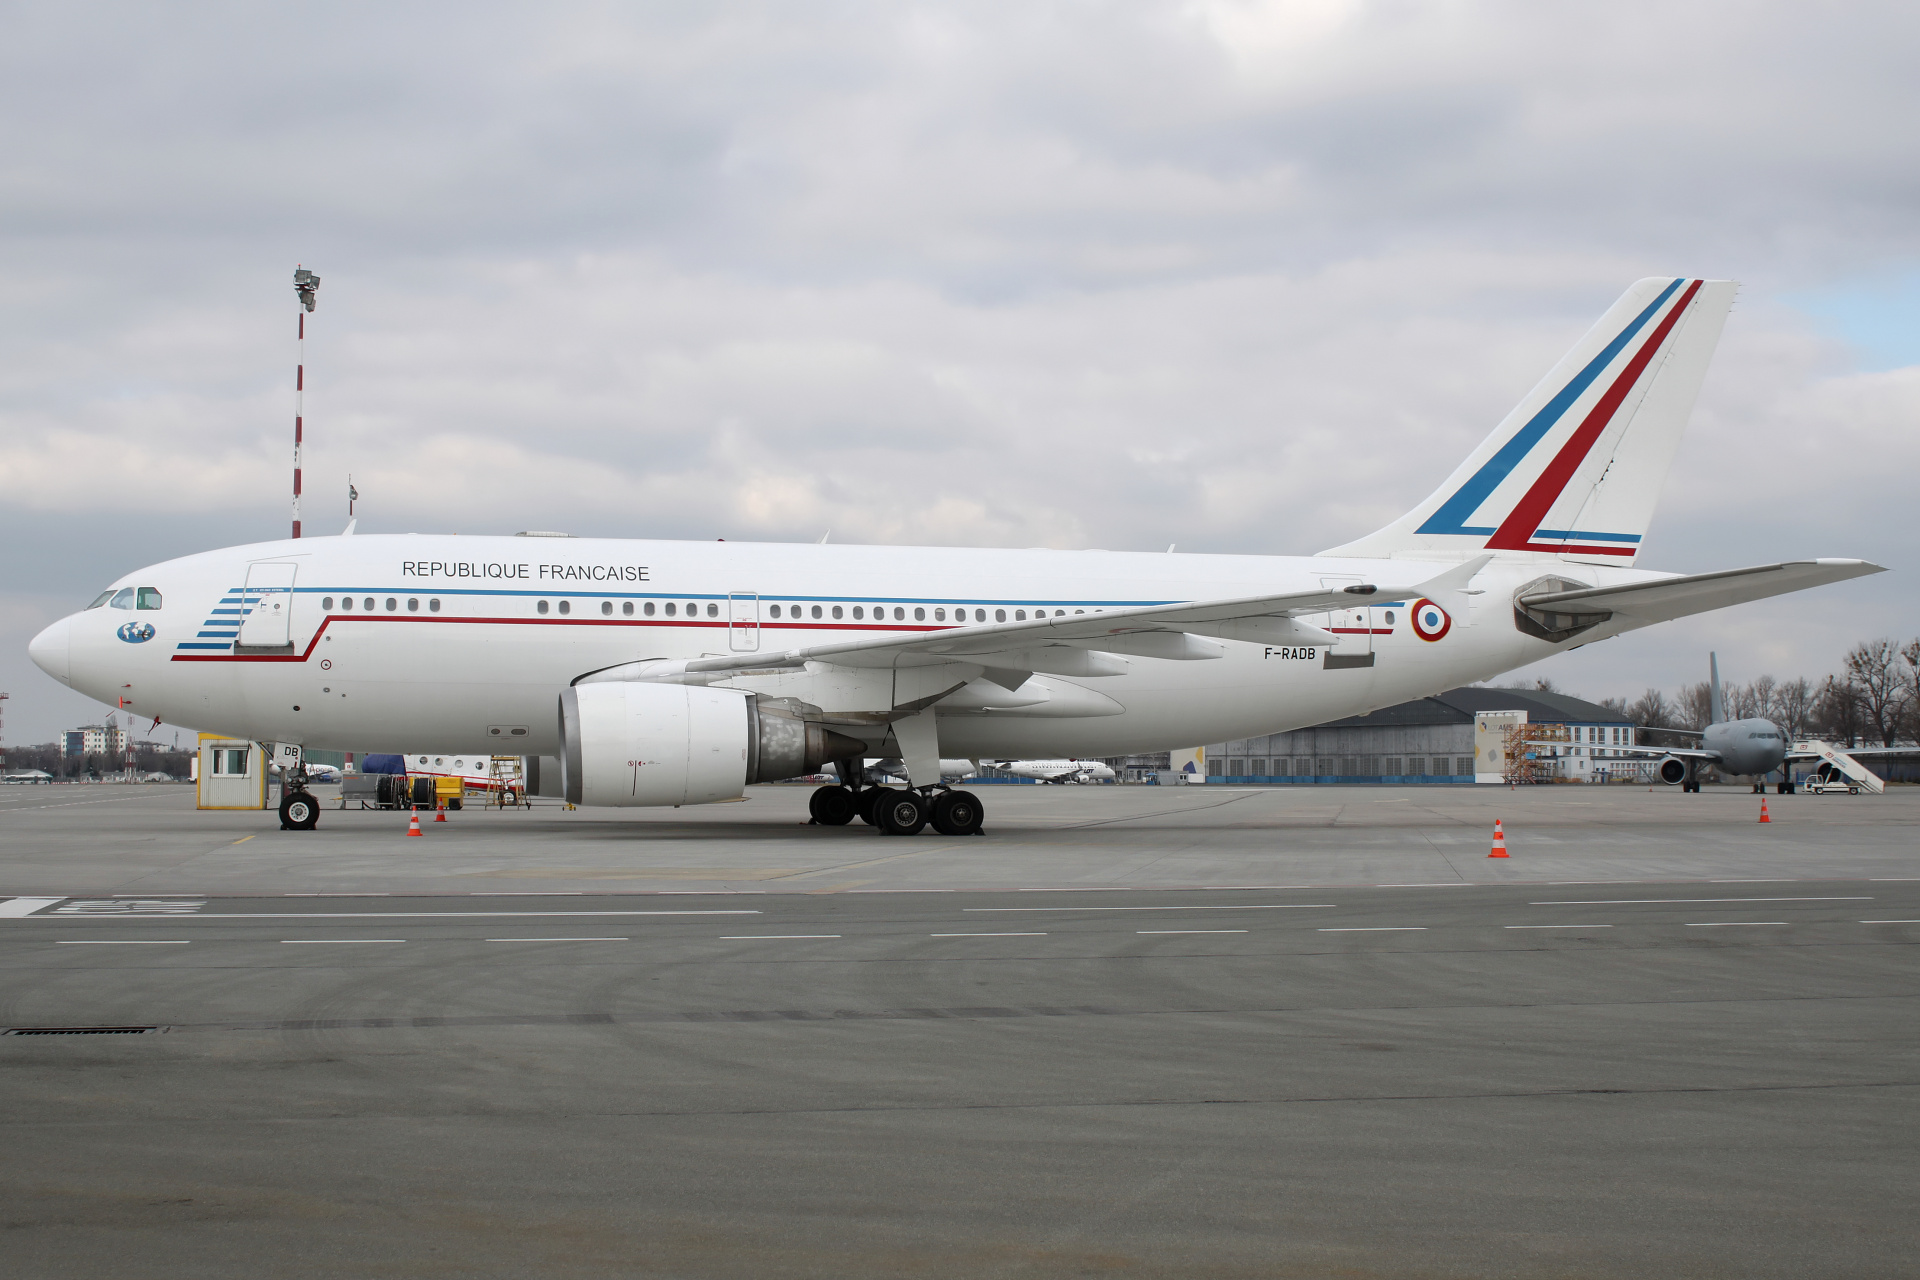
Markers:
{"x": 122, "y": 599}
{"x": 102, "y": 598}
{"x": 149, "y": 598}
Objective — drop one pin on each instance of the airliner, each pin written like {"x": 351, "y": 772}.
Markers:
{"x": 665, "y": 673}
{"x": 1060, "y": 771}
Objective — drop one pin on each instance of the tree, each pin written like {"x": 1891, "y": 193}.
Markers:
{"x": 1793, "y": 707}
{"x": 1836, "y": 711}
{"x": 1651, "y": 711}
{"x": 1874, "y": 669}
{"x": 1695, "y": 709}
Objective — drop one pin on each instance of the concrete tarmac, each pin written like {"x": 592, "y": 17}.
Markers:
{"x": 1299, "y": 1032}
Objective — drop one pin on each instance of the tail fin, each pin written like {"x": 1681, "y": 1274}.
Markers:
{"x": 1716, "y": 705}
{"x": 1574, "y": 471}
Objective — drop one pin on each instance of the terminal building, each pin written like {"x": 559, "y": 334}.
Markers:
{"x": 1432, "y": 740}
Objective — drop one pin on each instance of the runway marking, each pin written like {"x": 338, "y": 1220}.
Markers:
{"x": 1881, "y": 879}
{"x": 244, "y": 839}
{"x": 335, "y": 894}
{"x": 559, "y": 939}
{"x": 772, "y": 937}
{"x": 334, "y": 942}
{"x": 26, "y": 906}
{"x": 126, "y": 942}
{"x": 986, "y": 935}
{"x": 1614, "y": 902}
{"x": 1110, "y": 888}
{"x": 1557, "y": 926}
{"x": 1730, "y": 924}
{"x": 399, "y": 915}
{"x": 1759, "y": 880}
{"x": 526, "y": 893}
{"x": 1152, "y": 932}
{"x": 1890, "y": 922}
{"x": 124, "y": 908}
{"x": 1378, "y": 928}
{"x": 1438, "y": 884}
{"x": 1232, "y": 906}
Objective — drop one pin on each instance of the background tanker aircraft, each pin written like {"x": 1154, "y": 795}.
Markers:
{"x": 669, "y": 673}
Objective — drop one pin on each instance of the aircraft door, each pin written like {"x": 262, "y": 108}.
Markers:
{"x": 268, "y": 599}
{"x": 1353, "y": 626}
{"x": 743, "y": 621}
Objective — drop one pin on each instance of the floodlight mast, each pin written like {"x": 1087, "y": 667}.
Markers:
{"x": 305, "y": 285}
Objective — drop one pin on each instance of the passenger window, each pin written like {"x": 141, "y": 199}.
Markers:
{"x": 606, "y": 608}
{"x": 1019, "y": 615}
{"x": 670, "y": 608}
{"x": 346, "y": 602}
{"x": 859, "y": 613}
{"x": 1389, "y": 617}
{"x": 566, "y": 606}
{"x": 367, "y": 604}
{"x": 919, "y": 615}
{"x": 979, "y": 615}
{"x": 939, "y": 615}
{"x": 899, "y": 614}
{"x": 626, "y": 608}
{"x": 836, "y": 611}
{"x": 100, "y": 599}
{"x": 149, "y": 598}
{"x": 433, "y": 606}
{"x": 392, "y": 604}
{"x": 816, "y": 611}
{"x": 713, "y": 611}
{"x": 649, "y": 608}
{"x": 693, "y": 610}
{"x": 413, "y": 605}
{"x": 541, "y": 607}
{"x": 999, "y": 615}
{"x": 122, "y": 599}
{"x": 774, "y": 611}
{"x": 326, "y": 603}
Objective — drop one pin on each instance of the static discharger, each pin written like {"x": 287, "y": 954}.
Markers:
{"x": 413, "y": 823}
{"x": 1499, "y": 841}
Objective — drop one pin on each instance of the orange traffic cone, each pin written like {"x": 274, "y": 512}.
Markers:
{"x": 439, "y": 814}
{"x": 1763, "y": 810}
{"x": 413, "y": 824}
{"x": 1499, "y": 841}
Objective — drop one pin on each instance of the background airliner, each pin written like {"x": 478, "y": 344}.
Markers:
{"x": 670, "y": 673}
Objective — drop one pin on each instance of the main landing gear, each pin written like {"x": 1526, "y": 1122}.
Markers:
{"x": 898, "y": 812}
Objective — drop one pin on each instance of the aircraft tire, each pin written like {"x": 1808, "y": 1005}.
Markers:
{"x": 831, "y": 806}
{"x": 299, "y": 812}
{"x": 864, "y": 801}
{"x": 900, "y": 813}
{"x": 956, "y": 813}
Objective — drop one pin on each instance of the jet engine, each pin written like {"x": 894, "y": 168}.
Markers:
{"x": 633, "y": 743}
{"x": 1673, "y": 771}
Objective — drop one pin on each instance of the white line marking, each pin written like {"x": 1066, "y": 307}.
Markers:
{"x": 526, "y": 893}
{"x": 390, "y": 915}
{"x": 117, "y": 942}
{"x": 1150, "y": 932}
{"x": 1557, "y": 926}
{"x": 1379, "y": 928}
{"x": 331, "y": 894}
{"x": 1614, "y": 902}
{"x": 1236, "y": 906}
{"x": 1437, "y": 884}
{"x": 1084, "y": 888}
{"x": 26, "y": 906}
{"x": 772, "y": 937}
{"x": 986, "y": 935}
{"x": 1880, "y": 879}
{"x": 1890, "y": 922}
{"x": 1730, "y": 924}
{"x": 1759, "y": 880}
{"x": 559, "y": 939}
{"x": 334, "y": 942}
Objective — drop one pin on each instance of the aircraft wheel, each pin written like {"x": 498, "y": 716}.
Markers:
{"x": 956, "y": 813}
{"x": 299, "y": 812}
{"x": 900, "y": 813}
{"x": 831, "y": 806}
{"x": 865, "y": 800}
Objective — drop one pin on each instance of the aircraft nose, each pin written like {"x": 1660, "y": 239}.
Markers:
{"x": 51, "y": 650}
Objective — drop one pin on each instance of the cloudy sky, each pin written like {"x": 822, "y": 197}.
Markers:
{"x": 1246, "y": 276}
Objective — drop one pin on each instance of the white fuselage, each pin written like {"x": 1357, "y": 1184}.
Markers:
{"x": 462, "y": 644}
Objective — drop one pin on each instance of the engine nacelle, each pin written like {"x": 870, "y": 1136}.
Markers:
{"x": 634, "y": 743}
{"x": 1673, "y": 771}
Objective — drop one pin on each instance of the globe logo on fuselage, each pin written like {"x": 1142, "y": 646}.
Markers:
{"x": 1430, "y": 621}
{"x": 135, "y": 632}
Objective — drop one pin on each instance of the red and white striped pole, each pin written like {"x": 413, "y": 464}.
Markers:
{"x": 306, "y": 284}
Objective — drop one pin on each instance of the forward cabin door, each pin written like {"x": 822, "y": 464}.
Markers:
{"x": 268, "y": 600}
{"x": 743, "y": 621}
{"x": 1352, "y": 626}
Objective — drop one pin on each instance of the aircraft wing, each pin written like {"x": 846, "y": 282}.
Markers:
{"x": 1015, "y": 645}
{"x": 1684, "y": 753}
{"x": 1670, "y": 598}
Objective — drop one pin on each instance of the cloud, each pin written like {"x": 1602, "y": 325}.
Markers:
{"x": 1245, "y": 276}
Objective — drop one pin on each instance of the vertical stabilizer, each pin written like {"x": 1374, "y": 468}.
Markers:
{"x": 1575, "y": 470}
{"x": 1717, "y": 707}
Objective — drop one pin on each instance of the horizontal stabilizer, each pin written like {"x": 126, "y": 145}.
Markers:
{"x": 1669, "y": 598}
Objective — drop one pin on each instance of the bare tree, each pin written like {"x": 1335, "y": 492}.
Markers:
{"x": 1695, "y": 706}
{"x": 1793, "y": 706}
{"x": 1837, "y": 713}
{"x": 1616, "y": 705}
{"x": 1651, "y": 710}
{"x": 1874, "y": 669}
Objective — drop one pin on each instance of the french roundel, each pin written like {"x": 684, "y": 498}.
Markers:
{"x": 1430, "y": 621}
